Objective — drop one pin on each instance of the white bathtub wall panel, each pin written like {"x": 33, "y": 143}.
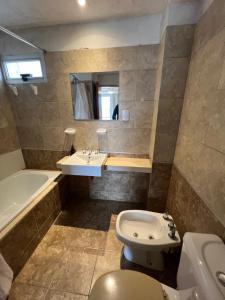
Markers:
{"x": 10, "y": 163}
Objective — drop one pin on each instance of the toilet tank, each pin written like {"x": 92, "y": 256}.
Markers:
{"x": 202, "y": 257}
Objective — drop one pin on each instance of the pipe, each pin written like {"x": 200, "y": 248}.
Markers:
{"x": 12, "y": 34}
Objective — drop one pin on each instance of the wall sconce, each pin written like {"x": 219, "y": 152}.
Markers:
{"x": 14, "y": 89}
{"x": 34, "y": 89}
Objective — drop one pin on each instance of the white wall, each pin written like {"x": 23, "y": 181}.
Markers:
{"x": 133, "y": 31}
{"x": 180, "y": 13}
{"x": 114, "y": 33}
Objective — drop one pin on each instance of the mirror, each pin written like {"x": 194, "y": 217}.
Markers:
{"x": 95, "y": 96}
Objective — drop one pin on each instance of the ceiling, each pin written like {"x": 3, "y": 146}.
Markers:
{"x": 29, "y": 13}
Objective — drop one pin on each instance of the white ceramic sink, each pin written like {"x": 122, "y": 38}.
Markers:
{"x": 84, "y": 163}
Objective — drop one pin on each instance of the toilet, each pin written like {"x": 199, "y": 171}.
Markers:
{"x": 146, "y": 235}
{"x": 200, "y": 276}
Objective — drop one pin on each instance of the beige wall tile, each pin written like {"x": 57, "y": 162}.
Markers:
{"x": 143, "y": 114}
{"x": 50, "y": 112}
{"x": 52, "y": 137}
{"x": 146, "y": 81}
{"x": 134, "y": 140}
{"x": 188, "y": 210}
{"x": 174, "y": 77}
{"x": 210, "y": 24}
{"x": 147, "y": 56}
{"x": 8, "y": 134}
{"x": 169, "y": 115}
{"x": 8, "y": 140}
{"x": 127, "y": 81}
{"x": 200, "y": 147}
{"x": 30, "y": 137}
{"x": 179, "y": 40}
{"x": 165, "y": 144}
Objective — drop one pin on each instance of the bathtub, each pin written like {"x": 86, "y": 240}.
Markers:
{"x": 19, "y": 190}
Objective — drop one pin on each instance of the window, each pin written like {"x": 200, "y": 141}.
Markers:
{"x": 24, "y": 69}
{"x": 108, "y": 101}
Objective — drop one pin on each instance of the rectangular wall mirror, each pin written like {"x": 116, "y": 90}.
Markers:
{"x": 95, "y": 96}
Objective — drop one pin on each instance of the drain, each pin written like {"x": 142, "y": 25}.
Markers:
{"x": 135, "y": 234}
{"x": 151, "y": 237}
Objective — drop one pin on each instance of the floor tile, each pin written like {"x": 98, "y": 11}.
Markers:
{"x": 84, "y": 238}
{"x": 58, "y": 295}
{"x": 55, "y": 237}
{"x": 42, "y": 266}
{"x": 77, "y": 273}
{"x": 106, "y": 262}
{"x": 76, "y": 251}
{"x": 22, "y": 291}
{"x": 112, "y": 242}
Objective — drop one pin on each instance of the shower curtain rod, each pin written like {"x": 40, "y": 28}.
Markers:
{"x": 14, "y": 35}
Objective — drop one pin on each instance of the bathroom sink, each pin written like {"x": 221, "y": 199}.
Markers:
{"x": 89, "y": 158}
{"x": 84, "y": 163}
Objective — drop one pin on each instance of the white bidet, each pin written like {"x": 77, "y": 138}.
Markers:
{"x": 145, "y": 236}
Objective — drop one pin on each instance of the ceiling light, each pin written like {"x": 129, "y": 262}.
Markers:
{"x": 81, "y": 2}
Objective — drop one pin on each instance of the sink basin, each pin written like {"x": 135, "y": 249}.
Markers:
{"x": 84, "y": 164}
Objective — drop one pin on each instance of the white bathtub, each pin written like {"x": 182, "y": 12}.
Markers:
{"x": 18, "y": 190}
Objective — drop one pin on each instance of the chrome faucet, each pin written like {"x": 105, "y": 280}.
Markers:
{"x": 171, "y": 225}
{"x": 167, "y": 217}
{"x": 172, "y": 233}
{"x": 173, "y": 229}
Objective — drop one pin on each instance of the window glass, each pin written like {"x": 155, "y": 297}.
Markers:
{"x": 14, "y": 69}
{"x": 31, "y": 66}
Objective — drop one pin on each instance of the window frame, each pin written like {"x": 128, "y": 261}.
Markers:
{"x": 24, "y": 57}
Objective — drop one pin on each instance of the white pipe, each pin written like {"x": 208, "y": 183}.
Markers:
{"x": 12, "y": 34}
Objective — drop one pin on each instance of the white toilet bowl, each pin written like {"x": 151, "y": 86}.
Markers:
{"x": 145, "y": 236}
{"x": 200, "y": 276}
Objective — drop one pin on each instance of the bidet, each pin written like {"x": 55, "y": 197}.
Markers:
{"x": 145, "y": 236}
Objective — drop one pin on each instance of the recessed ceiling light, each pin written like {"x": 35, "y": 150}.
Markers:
{"x": 81, "y": 2}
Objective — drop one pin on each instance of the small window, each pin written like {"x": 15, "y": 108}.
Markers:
{"x": 24, "y": 69}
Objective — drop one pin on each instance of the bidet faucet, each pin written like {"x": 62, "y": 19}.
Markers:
{"x": 167, "y": 217}
{"x": 171, "y": 225}
{"x": 172, "y": 233}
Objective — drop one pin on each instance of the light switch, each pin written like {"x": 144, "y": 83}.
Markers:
{"x": 125, "y": 115}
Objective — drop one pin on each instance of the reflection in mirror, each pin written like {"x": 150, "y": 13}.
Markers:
{"x": 95, "y": 96}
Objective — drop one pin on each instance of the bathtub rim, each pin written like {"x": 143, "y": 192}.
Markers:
{"x": 6, "y": 229}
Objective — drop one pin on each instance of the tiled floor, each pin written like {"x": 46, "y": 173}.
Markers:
{"x": 77, "y": 249}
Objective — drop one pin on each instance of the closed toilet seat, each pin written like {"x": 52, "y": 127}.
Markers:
{"x": 126, "y": 285}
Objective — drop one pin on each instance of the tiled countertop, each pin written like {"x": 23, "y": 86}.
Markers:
{"x": 129, "y": 164}
{"x": 125, "y": 164}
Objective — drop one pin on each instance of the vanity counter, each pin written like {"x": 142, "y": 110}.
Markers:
{"x": 128, "y": 164}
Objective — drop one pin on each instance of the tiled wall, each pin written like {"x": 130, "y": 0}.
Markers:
{"x": 117, "y": 186}
{"x": 26, "y": 235}
{"x": 175, "y": 51}
{"x": 120, "y": 186}
{"x": 200, "y": 152}
{"x": 41, "y": 120}
{"x": 8, "y": 134}
{"x": 188, "y": 210}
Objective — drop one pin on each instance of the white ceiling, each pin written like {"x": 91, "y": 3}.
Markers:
{"x": 28, "y": 13}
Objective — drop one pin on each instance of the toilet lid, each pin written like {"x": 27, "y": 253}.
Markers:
{"x": 126, "y": 285}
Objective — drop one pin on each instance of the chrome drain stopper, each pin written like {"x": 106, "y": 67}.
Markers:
{"x": 135, "y": 234}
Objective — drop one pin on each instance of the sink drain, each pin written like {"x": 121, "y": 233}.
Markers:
{"x": 151, "y": 237}
{"x": 135, "y": 234}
